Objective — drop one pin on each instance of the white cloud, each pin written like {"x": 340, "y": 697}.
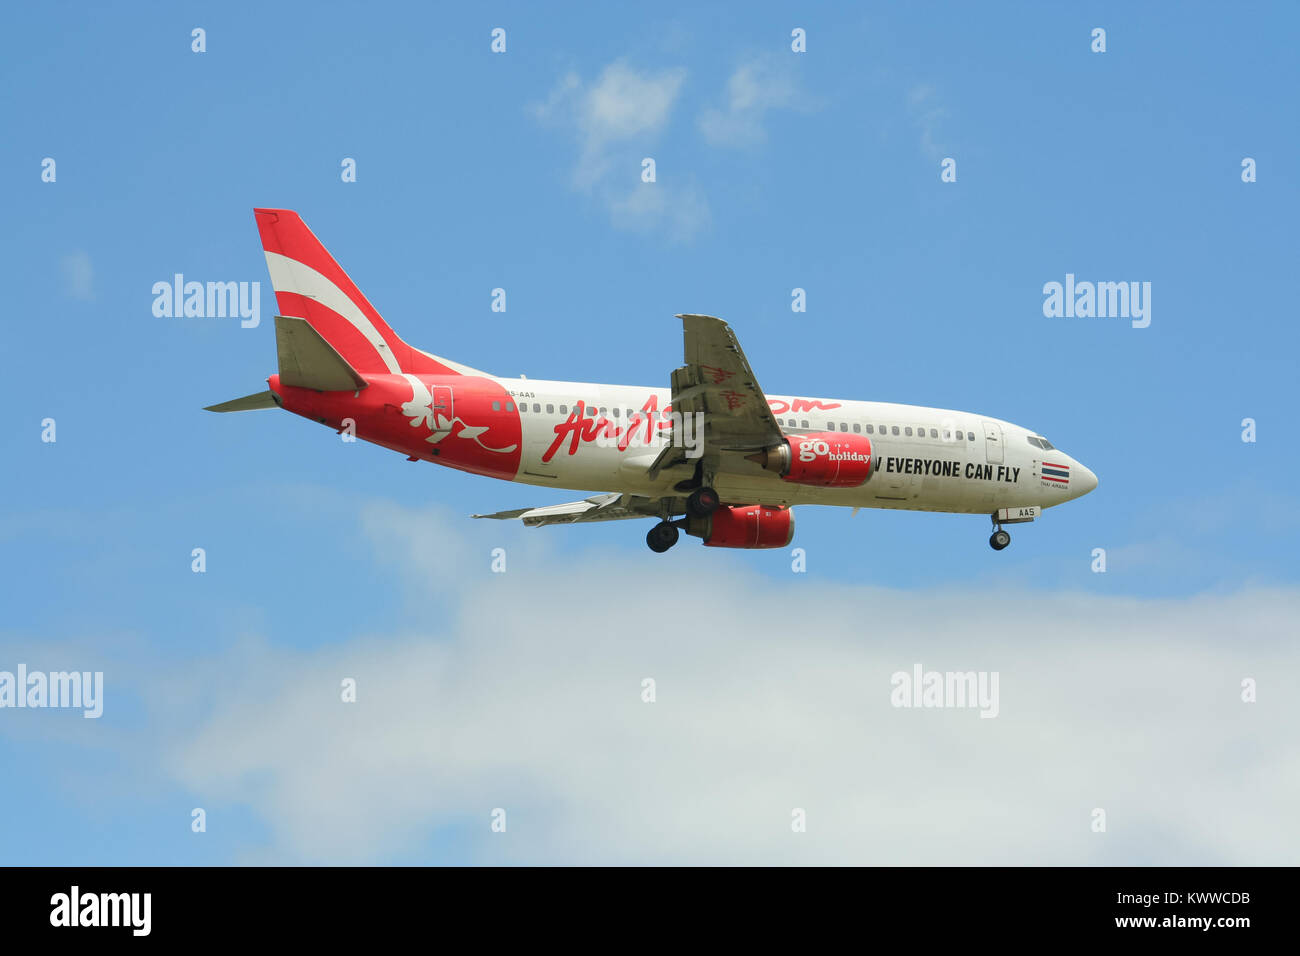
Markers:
{"x": 78, "y": 276}
{"x": 617, "y": 120}
{"x": 623, "y": 106}
{"x": 929, "y": 115}
{"x": 680, "y": 211}
{"x": 522, "y": 691}
{"x": 764, "y": 83}
{"x": 624, "y": 103}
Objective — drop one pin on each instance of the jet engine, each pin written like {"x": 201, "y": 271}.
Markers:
{"x": 747, "y": 526}
{"x": 825, "y": 459}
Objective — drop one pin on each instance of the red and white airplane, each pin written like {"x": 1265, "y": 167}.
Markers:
{"x": 712, "y": 455}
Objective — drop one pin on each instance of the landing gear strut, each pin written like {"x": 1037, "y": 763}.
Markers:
{"x": 999, "y": 539}
{"x": 662, "y": 537}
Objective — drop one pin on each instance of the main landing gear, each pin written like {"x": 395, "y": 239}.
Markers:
{"x": 662, "y": 537}
{"x": 701, "y": 503}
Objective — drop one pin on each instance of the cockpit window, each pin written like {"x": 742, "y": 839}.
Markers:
{"x": 1037, "y": 443}
{"x": 1047, "y": 444}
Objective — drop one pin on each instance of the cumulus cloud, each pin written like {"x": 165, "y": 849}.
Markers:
{"x": 756, "y": 87}
{"x": 616, "y": 120}
{"x": 523, "y": 691}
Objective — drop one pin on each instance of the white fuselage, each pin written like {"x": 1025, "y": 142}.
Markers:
{"x": 925, "y": 459}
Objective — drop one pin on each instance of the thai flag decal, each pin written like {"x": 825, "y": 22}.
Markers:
{"x": 1057, "y": 473}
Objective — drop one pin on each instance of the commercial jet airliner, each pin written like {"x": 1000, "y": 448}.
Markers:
{"x": 712, "y": 455}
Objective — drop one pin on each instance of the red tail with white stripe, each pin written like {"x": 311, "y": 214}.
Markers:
{"x": 310, "y": 285}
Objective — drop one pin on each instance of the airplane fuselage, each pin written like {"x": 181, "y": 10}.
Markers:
{"x": 593, "y": 437}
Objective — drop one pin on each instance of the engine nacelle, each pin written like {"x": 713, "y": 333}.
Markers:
{"x": 749, "y": 526}
{"x": 825, "y": 459}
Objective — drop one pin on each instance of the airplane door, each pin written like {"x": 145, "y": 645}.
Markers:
{"x": 993, "y": 443}
{"x": 443, "y": 409}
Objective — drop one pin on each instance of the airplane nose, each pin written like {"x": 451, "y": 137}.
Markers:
{"x": 1084, "y": 481}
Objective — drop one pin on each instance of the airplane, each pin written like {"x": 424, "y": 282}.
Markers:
{"x": 712, "y": 455}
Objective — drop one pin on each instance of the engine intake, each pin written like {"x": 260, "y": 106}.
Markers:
{"x": 824, "y": 459}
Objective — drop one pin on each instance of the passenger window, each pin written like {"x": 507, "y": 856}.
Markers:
{"x": 604, "y": 411}
{"x": 510, "y": 406}
{"x": 550, "y": 409}
{"x": 908, "y": 431}
{"x": 843, "y": 427}
{"x": 496, "y": 406}
{"x": 830, "y": 426}
{"x": 537, "y": 407}
{"x": 871, "y": 429}
{"x": 947, "y": 435}
{"x": 970, "y": 436}
{"x": 805, "y": 423}
{"x": 857, "y": 429}
{"x": 895, "y": 430}
{"x": 934, "y": 433}
{"x": 564, "y": 409}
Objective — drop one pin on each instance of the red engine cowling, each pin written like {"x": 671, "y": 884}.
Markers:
{"x": 826, "y": 459}
{"x": 749, "y": 526}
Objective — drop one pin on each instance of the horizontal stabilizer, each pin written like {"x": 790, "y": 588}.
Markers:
{"x": 246, "y": 404}
{"x": 308, "y": 361}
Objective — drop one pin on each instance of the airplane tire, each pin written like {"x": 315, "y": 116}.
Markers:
{"x": 662, "y": 537}
{"x": 999, "y": 540}
{"x": 702, "y": 502}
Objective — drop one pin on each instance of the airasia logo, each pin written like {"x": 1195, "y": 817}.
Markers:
{"x": 435, "y": 410}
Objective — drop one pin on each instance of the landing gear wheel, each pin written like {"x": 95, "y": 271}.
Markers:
{"x": 999, "y": 539}
{"x": 702, "y": 502}
{"x": 662, "y": 537}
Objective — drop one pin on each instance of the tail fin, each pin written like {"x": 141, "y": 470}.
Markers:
{"x": 310, "y": 285}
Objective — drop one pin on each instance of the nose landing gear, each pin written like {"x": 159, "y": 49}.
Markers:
{"x": 999, "y": 539}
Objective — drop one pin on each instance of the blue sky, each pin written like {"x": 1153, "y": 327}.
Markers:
{"x": 521, "y": 170}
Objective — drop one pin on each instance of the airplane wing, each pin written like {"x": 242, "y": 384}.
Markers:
{"x": 608, "y": 507}
{"x": 718, "y": 382}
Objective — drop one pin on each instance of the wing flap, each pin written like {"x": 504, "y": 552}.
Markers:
{"x": 718, "y": 381}
{"x": 607, "y": 507}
